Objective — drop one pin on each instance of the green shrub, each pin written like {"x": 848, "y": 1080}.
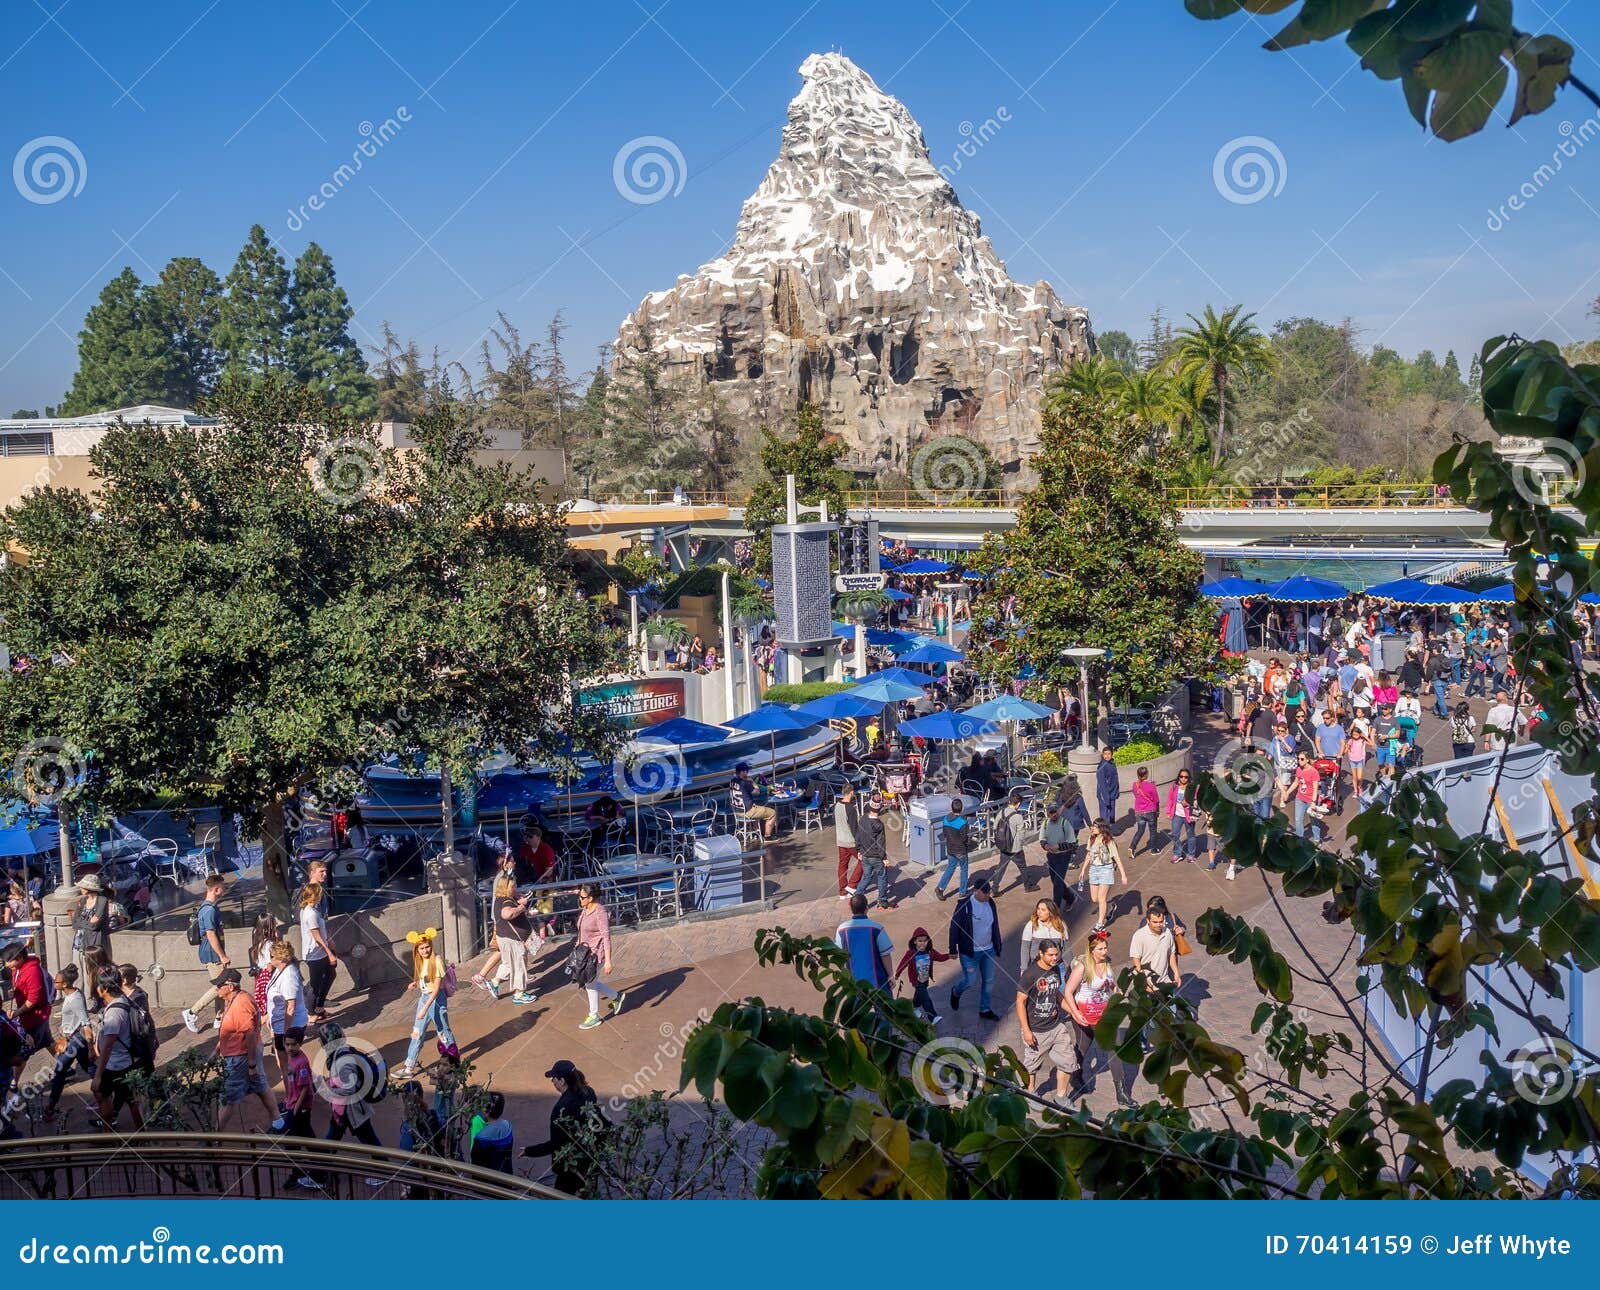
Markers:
{"x": 803, "y": 693}
{"x": 1137, "y": 750}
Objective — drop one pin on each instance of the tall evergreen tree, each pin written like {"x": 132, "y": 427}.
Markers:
{"x": 1119, "y": 348}
{"x": 123, "y": 353}
{"x": 812, "y": 456}
{"x": 186, "y": 302}
{"x": 589, "y": 429}
{"x": 322, "y": 354}
{"x": 253, "y": 322}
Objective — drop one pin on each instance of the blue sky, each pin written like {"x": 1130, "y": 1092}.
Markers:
{"x": 196, "y": 119}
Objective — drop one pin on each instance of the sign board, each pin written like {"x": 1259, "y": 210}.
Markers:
{"x": 860, "y": 581}
{"x": 636, "y": 704}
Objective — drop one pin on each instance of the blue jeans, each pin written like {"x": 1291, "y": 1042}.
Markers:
{"x": 1184, "y": 842}
{"x": 981, "y": 963}
{"x": 874, "y": 870}
{"x": 1455, "y": 669}
{"x": 1477, "y": 684}
{"x": 1439, "y": 708}
{"x": 1145, "y": 822}
{"x": 1108, "y": 810}
{"x": 1300, "y": 809}
{"x": 951, "y": 864}
{"x": 433, "y": 1008}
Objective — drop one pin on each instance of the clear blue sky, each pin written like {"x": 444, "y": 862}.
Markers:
{"x": 196, "y": 119}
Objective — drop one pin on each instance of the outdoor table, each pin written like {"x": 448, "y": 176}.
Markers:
{"x": 630, "y": 874}
{"x": 782, "y": 801}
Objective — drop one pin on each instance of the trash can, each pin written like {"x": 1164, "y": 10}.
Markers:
{"x": 718, "y": 881}
{"x": 1392, "y": 650}
{"x": 924, "y": 832}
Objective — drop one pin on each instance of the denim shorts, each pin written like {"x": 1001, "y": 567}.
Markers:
{"x": 239, "y": 1081}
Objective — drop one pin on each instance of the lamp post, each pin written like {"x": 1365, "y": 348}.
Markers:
{"x": 1083, "y": 761}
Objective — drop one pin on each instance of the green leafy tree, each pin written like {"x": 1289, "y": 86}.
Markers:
{"x": 812, "y": 456}
{"x": 1120, "y": 348}
{"x": 187, "y": 301}
{"x": 322, "y": 354}
{"x": 124, "y": 352}
{"x": 408, "y": 386}
{"x": 252, "y": 324}
{"x": 1095, "y": 560}
{"x": 1093, "y": 377}
{"x": 1220, "y": 349}
{"x": 1453, "y": 58}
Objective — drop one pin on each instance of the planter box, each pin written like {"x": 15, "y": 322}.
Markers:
{"x": 1163, "y": 772}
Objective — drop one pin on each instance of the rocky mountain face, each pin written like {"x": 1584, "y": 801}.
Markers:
{"x": 858, "y": 282}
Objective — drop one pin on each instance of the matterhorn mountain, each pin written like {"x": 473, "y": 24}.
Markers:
{"x": 859, "y": 283}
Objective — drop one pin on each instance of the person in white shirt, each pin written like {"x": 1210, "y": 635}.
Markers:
{"x": 1408, "y": 705}
{"x": 286, "y": 1003}
{"x": 1500, "y": 723}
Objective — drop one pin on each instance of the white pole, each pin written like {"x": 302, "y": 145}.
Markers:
{"x": 727, "y": 648}
{"x": 1083, "y": 672}
{"x": 793, "y": 507}
{"x": 633, "y": 618}
{"x": 861, "y": 649}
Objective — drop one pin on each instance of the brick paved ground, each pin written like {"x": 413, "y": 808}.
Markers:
{"x": 675, "y": 975}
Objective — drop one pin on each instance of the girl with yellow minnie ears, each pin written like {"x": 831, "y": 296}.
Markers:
{"x": 436, "y": 981}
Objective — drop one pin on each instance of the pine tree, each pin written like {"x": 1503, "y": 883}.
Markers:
{"x": 123, "y": 353}
{"x": 514, "y": 393}
{"x": 589, "y": 430}
{"x": 561, "y": 391}
{"x": 254, "y": 317}
{"x": 322, "y": 354}
{"x": 1474, "y": 377}
{"x": 186, "y": 302}
{"x": 1450, "y": 387}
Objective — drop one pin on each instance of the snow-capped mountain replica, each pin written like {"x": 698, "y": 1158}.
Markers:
{"x": 859, "y": 283}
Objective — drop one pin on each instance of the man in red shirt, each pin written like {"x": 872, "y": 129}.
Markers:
{"x": 30, "y": 995}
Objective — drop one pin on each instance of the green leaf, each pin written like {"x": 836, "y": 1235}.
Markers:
{"x": 1458, "y": 114}
{"x": 1462, "y": 63}
{"x": 1432, "y": 19}
{"x": 1211, "y": 8}
{"x": 926, "y": 1176}
{"x": 1543, "y": 65}
{"x": 1493, "y": 13}
{"x": 1324, "y": 18}
{"x": 1417, "y": 95}
{"x": 1384, "y": 52}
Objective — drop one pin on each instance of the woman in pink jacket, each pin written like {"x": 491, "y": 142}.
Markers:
{"x": 594, "y": 931}
{"x": 1181, "y": 807}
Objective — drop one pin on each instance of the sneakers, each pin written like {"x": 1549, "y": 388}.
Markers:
{"x": 408, "y": 1071}
{"x": 589, "y": 1022}
{"x": 941, "y": 893}
{"x": 479, "y": 980}
{"x": 1233, "y": 871}
{"x": 216, "y": 1022}
{"x": 1099, "y": 927}
{"x": 616, "y": 1004}
{"x": 989, "y": 1014}
{"x": 849, "y": 891}
{"x": 955, "y": 1001}
{"x": 191, "y": 1021}
{"x": 493, "y": 987}
{"x": 935, "y": 1019}
{"x": 524, "y": 996}
{"x": 1212, "y": 865}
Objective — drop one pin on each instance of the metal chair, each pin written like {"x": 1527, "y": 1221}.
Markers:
{"x": 810, "y": 813}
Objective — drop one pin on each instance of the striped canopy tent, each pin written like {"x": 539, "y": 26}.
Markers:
{"x": 1306, "y": 590}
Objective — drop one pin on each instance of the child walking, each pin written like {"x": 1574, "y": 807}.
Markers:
{"x": 917, "y": 964}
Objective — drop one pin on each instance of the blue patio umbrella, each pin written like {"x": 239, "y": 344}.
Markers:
{"x": 926, "y": 650}
{"x": 1009, "y": 707}
{"x": 885, "y": 689}
{"x": 846, "y": 705}
{"x": 1590, "y": 598}
{"x": 1503, "y": 593}
{"x": 1233, "y": 588}
{"x": 1414, "y": 591}
{"x": 880, "y": 636}
{"x": 925, "y": 566}
{"x": 1307, "y": 590}
{"x": 894, "y": 593}
{"x": 680, "y": 731}
{"x": 905, "y": 675}
{"x": 772, "y": 717}
{"x": 948, "y": 726}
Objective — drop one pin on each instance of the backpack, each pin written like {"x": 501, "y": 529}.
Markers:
{"x": 50, "y": 991}
{"x": 1004, "y": 838}
{"x": 448, "y": 982}
{"x": 192, "y": 932}
{"x": 1460, "y": 732}
{"x": 141, "y": 1034}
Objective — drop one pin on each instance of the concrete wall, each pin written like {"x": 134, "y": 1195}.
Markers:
{"x": 372, "y": 946}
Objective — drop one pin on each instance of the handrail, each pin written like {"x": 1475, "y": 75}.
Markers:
{"x": 243, "y": 1166}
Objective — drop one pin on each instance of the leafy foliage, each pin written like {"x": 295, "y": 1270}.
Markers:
{"x": 804, "y": 691}
{"x": 648, "y": 1154}
{"x": 1094, "y": 560}
{"x": 812, "y": 456}
{"x": 1453, "y": 58}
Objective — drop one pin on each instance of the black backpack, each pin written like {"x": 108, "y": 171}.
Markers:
{"x": 141, "y": 1034}
{"x": 192, "y": 932}
{"x": 1004, "y": 840}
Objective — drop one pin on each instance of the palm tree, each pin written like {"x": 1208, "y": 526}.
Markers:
{"x": 861, "y": 608}
{"x": 1220, "y": 350}
{"x": 1147, "y": 399}
{"x": 1097, "y": 377}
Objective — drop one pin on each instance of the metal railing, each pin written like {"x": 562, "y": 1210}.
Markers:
{"x": 242, "y": 1166}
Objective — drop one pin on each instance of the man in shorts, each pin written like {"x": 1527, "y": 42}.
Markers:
{"x": 1048, "y": 1036}
{"x": 114, "y": 1064}
{"x": 239, "y": 1047}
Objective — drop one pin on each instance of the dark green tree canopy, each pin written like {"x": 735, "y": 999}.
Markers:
{"x": 252, "y": 326}
{"x": 322, "y": 354}
{"x": 124, "y": 351}
{"x": 188, "y": 302}
{"x": 812, "y": 456}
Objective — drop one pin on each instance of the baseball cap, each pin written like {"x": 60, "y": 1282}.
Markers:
{"x": 228, "y": 976}
{"x": 562, "y": 1069}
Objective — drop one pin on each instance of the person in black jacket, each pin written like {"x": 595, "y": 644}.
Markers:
{"x": 873, "y": 843}
{"x": 975, "y": 940}
{"x": 576, "y": 1101}
{"x": 1107, "y": 786}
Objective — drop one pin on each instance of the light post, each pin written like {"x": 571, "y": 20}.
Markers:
{"x": 1083, "y": 761}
